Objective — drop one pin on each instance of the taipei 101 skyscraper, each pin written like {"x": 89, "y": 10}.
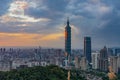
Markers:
{"x": 68, "y": 47}
{"x": 68, "y": 40}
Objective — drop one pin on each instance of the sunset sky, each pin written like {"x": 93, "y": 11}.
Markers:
{"x": 42, "y": 22}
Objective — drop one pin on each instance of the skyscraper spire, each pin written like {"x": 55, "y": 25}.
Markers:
{"x": 68, "y": 21}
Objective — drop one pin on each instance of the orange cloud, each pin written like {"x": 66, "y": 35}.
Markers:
{"x": 55, "y": 36}
{"x": 17, "y": 39}
{"x": 28, "y": 39}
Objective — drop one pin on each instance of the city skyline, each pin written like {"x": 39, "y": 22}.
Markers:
{"x": 42, "y": 23}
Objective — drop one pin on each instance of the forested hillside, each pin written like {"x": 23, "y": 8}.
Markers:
{"x": 39, "y": 73}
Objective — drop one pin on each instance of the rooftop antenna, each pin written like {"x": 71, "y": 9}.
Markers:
{"x": 68, "y": 21}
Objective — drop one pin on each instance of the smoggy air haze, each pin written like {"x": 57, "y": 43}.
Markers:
{"x": 42, "y": 22}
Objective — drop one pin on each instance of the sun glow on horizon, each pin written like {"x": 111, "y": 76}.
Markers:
{"x": 27, "y": 39}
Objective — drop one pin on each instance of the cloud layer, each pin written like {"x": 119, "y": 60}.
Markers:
{"x": 96, "y": 18}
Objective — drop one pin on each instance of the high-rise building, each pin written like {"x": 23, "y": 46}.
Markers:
{"x": 83, "y": 63}
{"x": 118, "y": 62}
{"x": 103, "y": 59}
{"x": 77, "y": 62}
{"x": 114, "y": 63}
{"x": 87, "y": 48}
{"x": 114, "y": 51}
{"x": 95, "y": 56}
{"x": 68, "y": 40}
